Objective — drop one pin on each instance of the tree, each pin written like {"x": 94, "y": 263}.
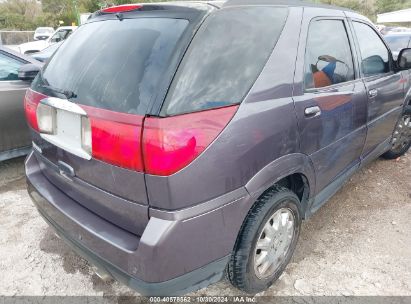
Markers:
{"x": 384, "y": 6}
{"x": 19, "y": 14}
{"x": 365, "y": 7}
{"x": 63, "y": 10}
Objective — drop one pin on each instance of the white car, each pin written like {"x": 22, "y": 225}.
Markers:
{"x": 60, "y": 34}
{"x": 42, "y": 33}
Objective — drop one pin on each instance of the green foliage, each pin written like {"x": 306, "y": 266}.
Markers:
{"x": 29, "y": 14}
{"x": 365, "y": 7}
{"x": 370, "y": 8}
{"x": 19, "y": 14}
{"x": 384, "y": 6}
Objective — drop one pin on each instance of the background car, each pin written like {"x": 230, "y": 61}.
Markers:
{"x": 14, "y": 133}
{"x": 47, "y": 52}
{"x": 394, "y": 29}
{"x": 60, "y": 34}
{"x": 397, "y": 42}
{"x": 42, "y": 33}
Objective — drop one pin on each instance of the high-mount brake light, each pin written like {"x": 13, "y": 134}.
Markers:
{"x": 121, "y": 8}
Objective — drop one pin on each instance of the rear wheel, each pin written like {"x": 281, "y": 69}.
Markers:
{"x": 266, "y": 241}
{"x": 401, "y": 139}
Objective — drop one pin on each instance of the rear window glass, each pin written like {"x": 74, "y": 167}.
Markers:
{"x": 114, "y": 65}
{"x": 225, "y": 58}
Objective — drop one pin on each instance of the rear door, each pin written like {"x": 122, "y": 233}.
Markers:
{"x": 385, "y": 88}
{"x": 14, "y": 133}
{"x": 330, "y": 104}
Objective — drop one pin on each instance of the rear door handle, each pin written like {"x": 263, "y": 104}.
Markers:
{"x": 312, "y": 111}
{"x": 373, "y": 93}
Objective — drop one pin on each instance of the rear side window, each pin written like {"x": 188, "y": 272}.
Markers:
{"x": 225, "y": 58}
{"x": 114, "y": 65}
{"x": 374, "y": 54}
{"x": 328, "y": 56}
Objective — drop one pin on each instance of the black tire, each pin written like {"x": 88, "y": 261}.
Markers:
{"x": 394, "y": 152}
{"x": 241, "y": 272}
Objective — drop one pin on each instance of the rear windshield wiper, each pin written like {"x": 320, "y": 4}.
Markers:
{"x": 69, "y": 94}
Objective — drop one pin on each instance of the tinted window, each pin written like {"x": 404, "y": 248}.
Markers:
{"x": 374, "y": 54}
{"x": 9, "y": 68}
{"x": 397, "y": 42}
{"x": 328, "y": 56}
{"x": 112, "y": 64}
{"x": 225, "y": 58}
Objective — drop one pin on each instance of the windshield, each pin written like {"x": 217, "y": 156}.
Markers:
{"x": 397, "y": 43}
{"x": 112, "y": 64}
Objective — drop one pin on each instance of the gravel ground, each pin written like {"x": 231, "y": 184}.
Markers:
{"x": 357, "y": 244}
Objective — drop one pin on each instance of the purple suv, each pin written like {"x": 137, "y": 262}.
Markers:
{"x": 173, "y": 143}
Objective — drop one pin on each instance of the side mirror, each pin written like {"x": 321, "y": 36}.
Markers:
{"x": 28, "y": 72}
{"x": 373, "y": 65}
{"x": 404, "y": 59}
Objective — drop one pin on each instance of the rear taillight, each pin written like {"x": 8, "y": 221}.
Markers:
{"x": 46, "y": 119}
{"x": 171, "y": 143}
{"x": 86, "y": 136}
{"x": 154, "y": 145}
{"x": 31, "y": 101}
{"x": 115, "y": 137}
{"x": 162, "y": 147}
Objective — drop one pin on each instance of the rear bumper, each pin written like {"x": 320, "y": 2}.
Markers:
{"x": 178, "y": 252}
{"x": 194, "y": 280}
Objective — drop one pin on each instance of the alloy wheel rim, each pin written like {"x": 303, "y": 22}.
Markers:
{"x": 402, "y": 133}
{"x": 273, "y": 243}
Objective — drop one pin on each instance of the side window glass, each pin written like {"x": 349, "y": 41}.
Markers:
{"x": 57, "y": 37}
{"x": 9, "y": 68}
{"x": 328, "y": 57}
{"x": 374, "y": 54}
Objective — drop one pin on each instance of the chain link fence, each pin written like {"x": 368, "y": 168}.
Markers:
{"x": 16, "y": 37}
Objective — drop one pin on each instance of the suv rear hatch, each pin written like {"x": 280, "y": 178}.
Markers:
{"x": 87, "y": 107}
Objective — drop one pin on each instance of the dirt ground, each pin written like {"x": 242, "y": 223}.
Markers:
{"x": 357, "y": 244}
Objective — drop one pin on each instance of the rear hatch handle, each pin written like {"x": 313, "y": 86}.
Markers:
{"x": 66, "y": 170}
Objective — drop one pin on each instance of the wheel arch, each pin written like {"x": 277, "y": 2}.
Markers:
{"x": 294, "y": 171}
